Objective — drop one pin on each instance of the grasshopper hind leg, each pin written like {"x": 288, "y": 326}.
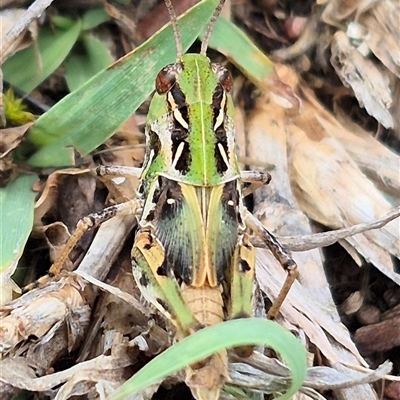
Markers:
{"x": 85, "y": 224}
{"x": 241, "y": 284}
{"x": 187, "y": 307}
{"x": 242, "y": 279}
{"x": 280, "y": 254}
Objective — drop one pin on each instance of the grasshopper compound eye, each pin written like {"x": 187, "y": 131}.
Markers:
{"x": 224, "y": 76}
{"x": 166, "y": 78}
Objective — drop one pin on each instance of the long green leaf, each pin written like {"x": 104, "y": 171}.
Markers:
{"x": 94, "y": 17}
{"x": 210, "y": 340}
{"x": 79, "y": 68}
{"x": 229, "y": 40}
{"x": 16, "y": 218}
{"x": 86, "y": 118}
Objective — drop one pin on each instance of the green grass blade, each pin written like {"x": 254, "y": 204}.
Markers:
{"x": 23, "y": 70}
{"x": 86, "y": 118}
{"x": 79, "y": 68}
{"x": 244, "y": 54}
{"x": 213, "y": 339}
{"x": 17, "y": 201}
{"x": 94, "y": 17}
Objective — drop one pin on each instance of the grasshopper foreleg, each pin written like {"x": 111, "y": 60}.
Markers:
{"x": 280, "y": 254}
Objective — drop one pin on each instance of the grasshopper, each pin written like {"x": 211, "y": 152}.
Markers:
{"x": 192, "y": 257}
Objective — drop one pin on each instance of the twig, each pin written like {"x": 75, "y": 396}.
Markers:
{"x": 30, "y": 15}
{"x": 360, "y": 368}
{"x": 115, "y": 291}
{"x": 309, "y": 242}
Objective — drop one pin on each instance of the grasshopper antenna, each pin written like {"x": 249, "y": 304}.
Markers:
{"x": 210, "y": 27}
{"x": 175, "y": 28}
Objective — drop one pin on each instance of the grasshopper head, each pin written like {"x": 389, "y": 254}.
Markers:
{"x": 193, "y": 71}
{"x": 190, "y": 132}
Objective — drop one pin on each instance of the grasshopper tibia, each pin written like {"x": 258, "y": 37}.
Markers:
{"x": 280, "y": 254}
